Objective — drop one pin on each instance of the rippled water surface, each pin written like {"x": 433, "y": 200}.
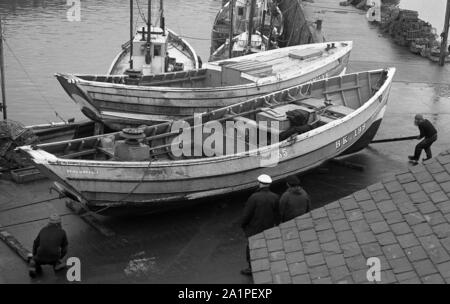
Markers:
{"x": 45, "y": 42}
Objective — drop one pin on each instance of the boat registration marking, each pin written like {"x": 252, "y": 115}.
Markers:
{"x": 89, "y": 172}
{"x": 343, "y": 141}
{"x": 283, "y": 153}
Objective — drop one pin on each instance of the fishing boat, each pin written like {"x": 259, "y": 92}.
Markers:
{"x": 159, "y": 52}
{"x": 121, "y": 101}
{"x": 342, "y": 113}
{"x": 263, "y": 19}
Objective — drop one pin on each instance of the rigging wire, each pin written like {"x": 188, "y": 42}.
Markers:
{"x": 31, "y": 80}
{"x": 140, "y": 12}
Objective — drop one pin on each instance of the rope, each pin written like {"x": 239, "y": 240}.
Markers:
{"x": 35, "y": 220}
{"x": 32, "y": 82}
{"x": 140, "y": 12}
{"x": 30, "y": 204}
{"x": 136, "y": 186}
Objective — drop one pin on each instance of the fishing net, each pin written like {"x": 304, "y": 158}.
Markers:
{"x": 12, "y": 135}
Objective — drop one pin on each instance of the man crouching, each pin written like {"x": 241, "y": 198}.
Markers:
{"x": 49, "y": 247}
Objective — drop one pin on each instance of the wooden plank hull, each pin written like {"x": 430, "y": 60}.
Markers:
{"x": 120, "y": 106}
{"x": 166, "y": 184}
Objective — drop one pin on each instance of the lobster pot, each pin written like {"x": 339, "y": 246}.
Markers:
{"x": 408, "y": 15}
{"x": 390, "y": 2}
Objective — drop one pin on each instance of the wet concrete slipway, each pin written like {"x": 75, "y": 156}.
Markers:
{"x": 205, "y": 244}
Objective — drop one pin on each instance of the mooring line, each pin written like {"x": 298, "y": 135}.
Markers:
{"x": 32, "y": 221}
{"x": 30, "y": 204}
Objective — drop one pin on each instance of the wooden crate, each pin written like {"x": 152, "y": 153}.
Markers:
{"x": 25, "y": 175}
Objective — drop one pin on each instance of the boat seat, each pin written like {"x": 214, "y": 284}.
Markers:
{"x": 325, "y": 119}
{"x": 108, "y": 152}
{"x": 312, "y": 103}
{"x": 253, "y": 124}
{"x": 305, "y": 54}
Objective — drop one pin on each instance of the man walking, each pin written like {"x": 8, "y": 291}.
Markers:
{"x": 295, "y": 201}
{"x": 49, "y": 247}
{"x": 260, "y": 213}
{"x": 429, "y": 135}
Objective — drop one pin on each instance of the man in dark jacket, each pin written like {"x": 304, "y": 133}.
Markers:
{"x": 260, "y": 213}
{"x": 429, "y": 133}
{"x": 295, "y": 201}
{"x": 49, "y": 247}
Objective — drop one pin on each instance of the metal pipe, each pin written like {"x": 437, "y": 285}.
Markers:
{"x": 148, "y": 57}
{"x": 2, "y": 72}
{"x": 161, "y": 20}
{"x": 445, "y": 35}
{"x": 131, "y": 34}
{"x": 250, "y": 23}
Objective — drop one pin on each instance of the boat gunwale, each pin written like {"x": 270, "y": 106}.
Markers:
{"x": 342, "y": 51}
{"x": 52, "y": 159}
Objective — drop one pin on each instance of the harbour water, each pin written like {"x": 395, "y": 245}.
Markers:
{"x": 45, "y": 41}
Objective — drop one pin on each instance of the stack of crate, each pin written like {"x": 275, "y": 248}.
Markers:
{"x": 407, "y": 27}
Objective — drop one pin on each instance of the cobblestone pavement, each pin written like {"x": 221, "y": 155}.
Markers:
{"x": 404, "y": 220}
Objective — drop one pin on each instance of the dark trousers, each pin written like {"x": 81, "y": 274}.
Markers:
{"x": 425, "y": 144}
{"x": 35, "y": 265}
{"x": 247, "y": 254}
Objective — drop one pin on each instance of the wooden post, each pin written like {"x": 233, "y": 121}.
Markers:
{"x": 231, "y": 8}
{"x": 2, "y": 72}
{"x": 131, "y": 34}
{"x": 445, "y": 36}
{"x": 271, "y": 30}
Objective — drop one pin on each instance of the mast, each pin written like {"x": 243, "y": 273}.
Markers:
{"x": 2, "y": 72}
{"x": 162, "y": 21}
{"x": 445, "y": 34}
{"x": 131, "y": 34}
{"x": 148, "y": 58}
{"x": 263, "y": 21}
{"x": 231, "y": 7}
{"x": 250, "y": 23}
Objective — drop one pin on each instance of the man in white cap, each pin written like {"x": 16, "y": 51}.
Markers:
{"x": 260, "y": 213}
{"x": 49, "y": 247}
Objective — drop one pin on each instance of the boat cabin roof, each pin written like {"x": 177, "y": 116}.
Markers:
{"x": 158, "y": 36}
{"x": 284, "y": 61}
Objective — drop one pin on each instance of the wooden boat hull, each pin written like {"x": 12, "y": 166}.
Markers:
{"x": 119, "y": 106}
{"x": 161, "y": 185}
